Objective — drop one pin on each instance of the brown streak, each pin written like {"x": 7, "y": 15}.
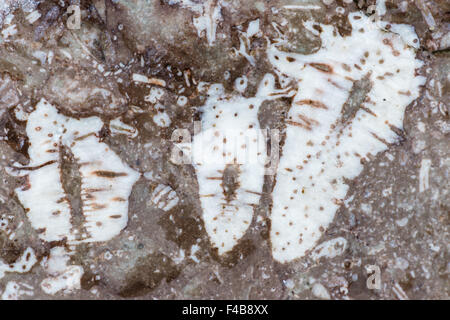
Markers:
{"x": 97, "y": 206}
{"x": 335, "y": 84}
{"x": 84, "y": 136}
{"x": 397, "y": 131}
{"x": 293, "y": 123}
{"x": 312, "y": 103}
{"x": 207, "y": 195}
{"x": 253, "y": 192}
{"x": 94, "y": 190}
{"x": 307, "y": 120}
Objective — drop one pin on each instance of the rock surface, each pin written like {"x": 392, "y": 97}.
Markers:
{"x": 146, "y": 73}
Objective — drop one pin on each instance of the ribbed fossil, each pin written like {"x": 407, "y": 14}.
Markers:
{"x": 106, "y": 181}
{"x": 331, "y": 131}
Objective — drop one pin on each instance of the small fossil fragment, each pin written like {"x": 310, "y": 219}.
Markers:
{"x": 164, "y": 197}
{"x": 424, "y": 173}
{"x": 229, "y": 156}
{"x": 23, "y": 264}
{"x": 330, "y": 248}
{"x": 117, "y": 126}
{"x": 80, "y": 92}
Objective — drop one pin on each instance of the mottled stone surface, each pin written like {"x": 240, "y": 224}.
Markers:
{"x": 395, "y": 215}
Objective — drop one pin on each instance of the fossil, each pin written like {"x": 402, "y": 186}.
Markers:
{"x": 229, "y": 155}
{"x": 328, "y": 138}
{"x": 330, "y": 133}
{"x": 14, "y": 290}
{"x": 106, "y": 182}
{"x": 62, "y": 276}
{"x": 207, "y": 16}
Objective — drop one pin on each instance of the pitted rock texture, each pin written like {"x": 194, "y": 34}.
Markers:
{"x": 144, "y": 70}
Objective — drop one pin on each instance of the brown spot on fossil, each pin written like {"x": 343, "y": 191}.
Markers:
{"x": 322, "y": 67}
{"x": 109, "y": 174}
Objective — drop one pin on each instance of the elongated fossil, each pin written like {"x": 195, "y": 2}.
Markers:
{"x": 331, "y": 131}
{"x": 229, "y": 156}
{"x": 106, "y": 181}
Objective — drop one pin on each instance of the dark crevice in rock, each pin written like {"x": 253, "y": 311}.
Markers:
{"x": 71, "y": 182}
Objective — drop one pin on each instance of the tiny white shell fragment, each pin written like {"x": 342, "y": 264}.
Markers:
{"x": 33, "y": 16}
{"x": 117, "y": 126}
{"x": 181, "y": 101}
{"x": 319, "y": 291}
{"x": 62, "y": 276}
{"x": 66, "y": 282}
{"x": 330, "y": 249}
{"x": 162, "y": 119}
{"x": 9, "y": 31}
{"x": 155, "y": 95}
{"x": 240, "y": 84}
{"x": 253, "y": 28}
{"x": 424, "y": 175}
{"x": 140, "y": 78}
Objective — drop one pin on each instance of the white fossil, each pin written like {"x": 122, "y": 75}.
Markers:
{"x": 328, "y": 140}
{"x": 164, "y": 197}
{"x": 207, "y": 16}
{"x": 24, "y": 264}
{"x": 15, "y": 290}
{"x": 62, "y": 275}
{"x": 117, "y": 126}
{"x": 229, "y": 156}
{"x": 106, "y": 181}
